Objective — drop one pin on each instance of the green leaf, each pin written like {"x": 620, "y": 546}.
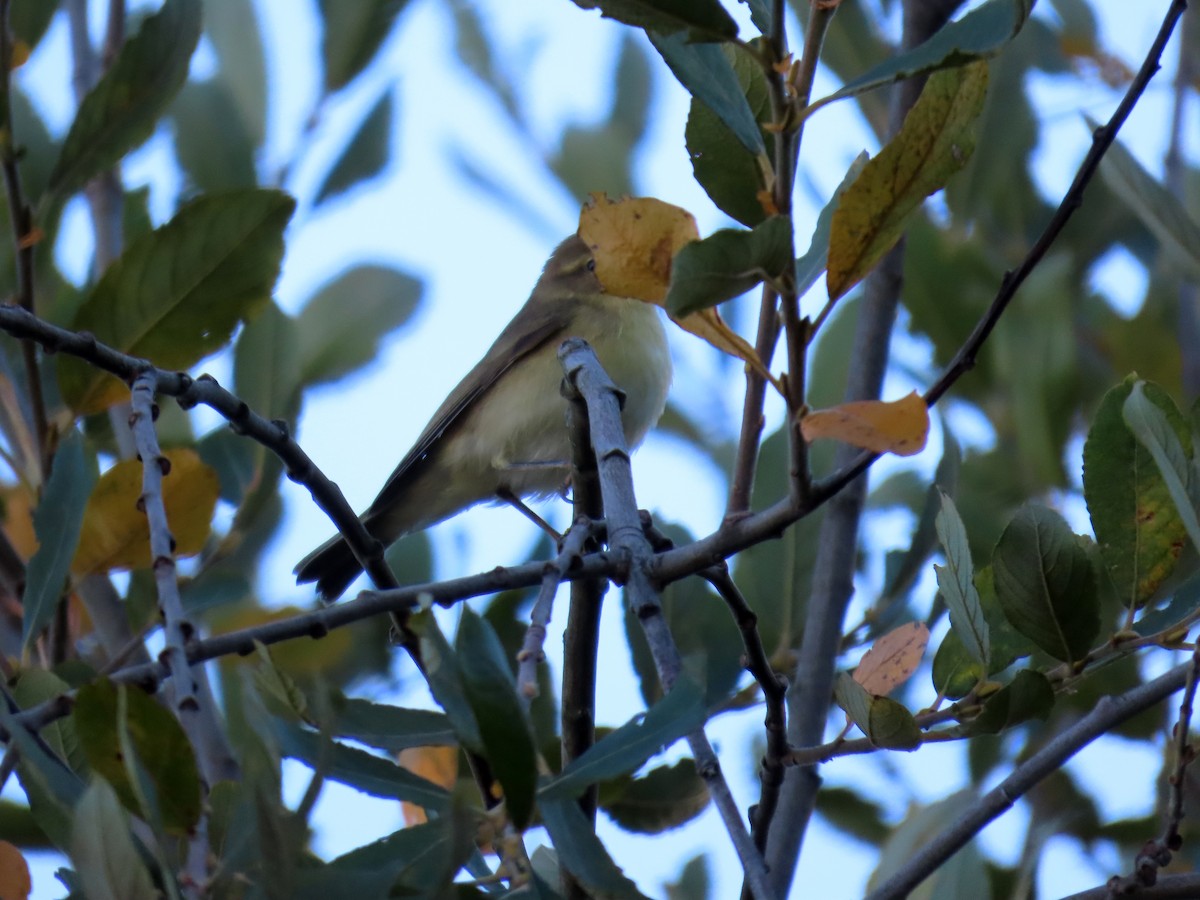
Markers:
{"x": 232, "y": 26}
{"x": 1028, "y": 696}
{"x": 1154, "y": 431}
{"x": 664, "y": 798}
{"x": 341, "y": 327}
{"x": 391, "y": 728}
{"x": 1139, "y": 533}
{"x": 853, "y": 814}
{"x": 626, "y": 749}
{"x": 176, "y": 294}
{"x": 1184, "y": 603}
{"x": 732, "y": 176}
{"x": 106, "y": 860}
{"x": 935, "y": 141}
{"x": 885, "y": 722}
{"x": 727, "y": 264}
{"x": 56, "y": 522}
{"x": 957, "y": 584}
{"x": 1046, "y": 585}
{"x": 503, "y": 721}
{"x": 364, "y": 771}
{"x": 53, "y": 789}
{"x": 212, "y": 144}
{"x": 445, "y": 677}
{"x": 955, "y": 671}
{"x": 29, "y": 19}
{"x": 708, "y": 76}
{"x": 979, "y": 34}
{"x": 366, "y": 153}
{"x": 582, "y": 854}
{"x": 418, "y": 856}
{"x": 120, "y": 112}
{"x": 815, "y": 260}
{"x": 701, "y": 20}
{"x": 352, "y": 35}
{"x": 36, "y": 686}
{"x": 1159, "y": 209}
{"x": 761, "y": 14}
{"x": 162, "y": 748}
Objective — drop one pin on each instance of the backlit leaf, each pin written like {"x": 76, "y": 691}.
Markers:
{"x": 892, "y": 659}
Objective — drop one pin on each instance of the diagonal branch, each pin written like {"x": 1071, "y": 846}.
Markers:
{"x": 1108, "y": 713}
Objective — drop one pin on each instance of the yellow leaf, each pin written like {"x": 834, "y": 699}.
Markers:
{"x": 15, "y": 883}
{"x": 436, "y": 764}
{"x": 895, "y": 426}
{"x": 633, "y": 241}
{"x": 116, "y": 533}
{"x": 709, "y": 325}
{"x": 20, "y": 55}
{"x": 892, "y": 659}
{"x": 935, "y": 141}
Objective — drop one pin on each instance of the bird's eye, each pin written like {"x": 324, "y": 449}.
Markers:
{"x": 591, "y": 265}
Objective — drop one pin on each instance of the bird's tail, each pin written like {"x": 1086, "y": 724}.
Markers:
{"x": 332, "y": 566}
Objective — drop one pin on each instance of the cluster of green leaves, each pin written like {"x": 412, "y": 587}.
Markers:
{"x": 176, "y": 293}
{"x": 1024, "y": 625}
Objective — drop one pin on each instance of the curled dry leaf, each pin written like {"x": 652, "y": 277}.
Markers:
{"x": 892, "y": 659}
{"x": 633, "y": 241}
{"x": 892, "y": 426}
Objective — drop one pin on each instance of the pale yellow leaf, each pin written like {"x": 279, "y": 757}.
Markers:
{"x": 892, "y": 659}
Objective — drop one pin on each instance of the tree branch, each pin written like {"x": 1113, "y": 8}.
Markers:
{"x": 1107, "y": 714}
{"x": 626, "y": 537}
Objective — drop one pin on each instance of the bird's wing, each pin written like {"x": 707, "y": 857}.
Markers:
{"x": 529, "y": 329}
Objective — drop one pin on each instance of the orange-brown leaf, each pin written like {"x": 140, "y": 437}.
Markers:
{"x": 892, "y": 659}
{"x": 895, "y": 426}
{"x": 15, "y": 883}
{"x": 436, "y": 764}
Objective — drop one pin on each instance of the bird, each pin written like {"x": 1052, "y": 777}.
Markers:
{"x": 501, "y": 433}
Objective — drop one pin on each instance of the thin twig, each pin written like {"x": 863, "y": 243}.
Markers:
{"x": 787, "y": 148}
{"x": 25, "y": 239}
{"x": 1156, "y": 854}
{"x": 531, "y": 653}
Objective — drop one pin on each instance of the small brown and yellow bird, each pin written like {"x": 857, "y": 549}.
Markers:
{"x": 503, "y": 428}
